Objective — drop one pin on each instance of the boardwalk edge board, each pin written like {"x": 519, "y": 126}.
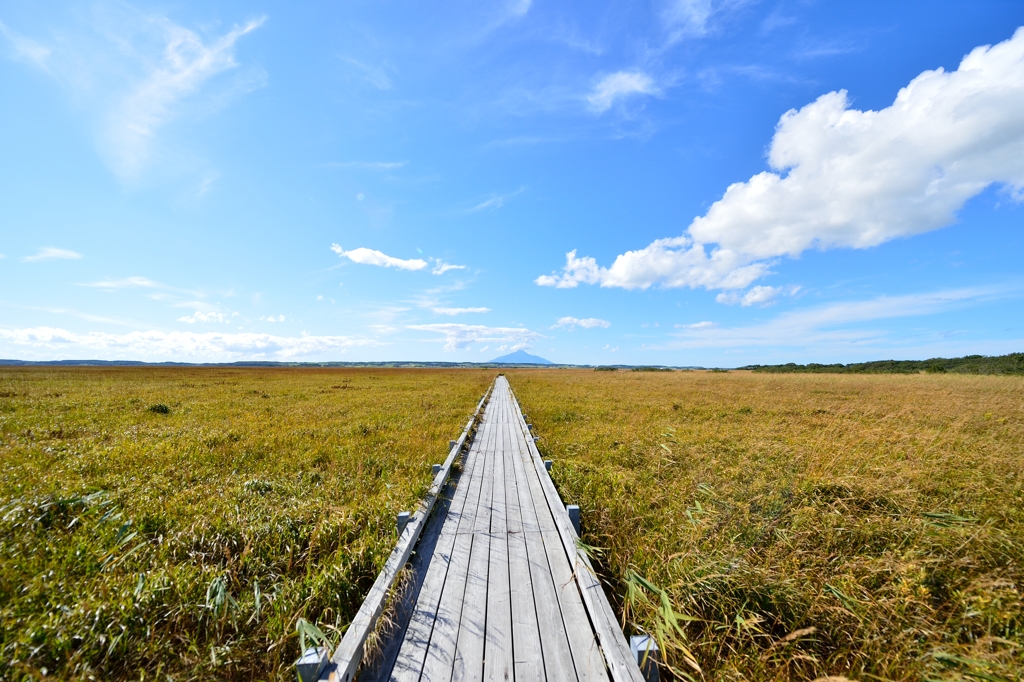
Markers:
{"x": 345, "y": 662}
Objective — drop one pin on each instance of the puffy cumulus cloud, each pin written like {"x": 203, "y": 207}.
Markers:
{"x": 50, "y": 253}
{"x": 673, "y": 262}
{"x": 372, "y": 257}
{"x": 571, "y": 323}
{"x": 845, "y": 178}
{"x": 619, "y": 85}
{"x": 461, "y": 336}
{"x": 186, "y": 346}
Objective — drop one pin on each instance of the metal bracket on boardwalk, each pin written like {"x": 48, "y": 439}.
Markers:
{"x": 345, "y": 661}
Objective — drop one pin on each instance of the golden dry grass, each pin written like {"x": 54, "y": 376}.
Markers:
{"x": 860, "y": 526}
{"x": 137, "y": 543}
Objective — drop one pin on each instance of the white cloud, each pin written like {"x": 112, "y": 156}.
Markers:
{"x": 759, "y": 295}
{"x": 377, "y": 76}
{"x": 571, "y": 323}
{"x": 134, "y": 72}
{"x": 619, "y": 85}
{"x": 125, "y": 283}
{"x": 25, "y": 49}
{"x": 844, "y": 178}
{"x": 484, "y": 348}
{"x": 696, "y": 325}
{"x": 673, "y": 262}
{"x": 372, "y": 257}
{"x": 461, "y": 336}
{"x": 200, "y": 316}
{"x": 440, "y": 267}
{"x": 185, "y": 346}
{"x": 834, "y": 323}
{"x": 271, "y": 318}
{"x": 495, "y": 201}
{"x": 187, "y": 62}
{"x": 687, "y": 17}
{"x": 460, "y": 311}
{"x": 50, "y": 253}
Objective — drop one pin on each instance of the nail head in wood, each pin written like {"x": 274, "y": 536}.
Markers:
{"x": 645, "y": 651}
{"x": 311, "y": 663}
{"x": 547, "y": 464}
{"x": 403, "y": 521}
{"x": 574, "y": 517}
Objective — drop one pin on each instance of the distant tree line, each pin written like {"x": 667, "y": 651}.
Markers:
{"x": 969, "y": 364}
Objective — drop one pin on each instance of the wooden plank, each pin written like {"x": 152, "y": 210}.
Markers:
{"x": 621, "y": 665}
{"x": 498, "y": 635}
{"x": 586, "y": 654}
{"x": 468, "y": 662}
{"x": 528, "y": 657}
{"x": 556, "y": 656}
{"x": 437, "y": 666}
{"x": 349, "y": 653}
{"x": 409, "y": 663}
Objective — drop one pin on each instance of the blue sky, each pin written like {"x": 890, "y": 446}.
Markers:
{"x": 688, "y": 182}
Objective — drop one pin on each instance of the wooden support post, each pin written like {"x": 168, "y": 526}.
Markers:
{"x": 530, "y": 427}
{"x": 645, "y": 651}
{"x": 403, "y": 520}
{"x": 311, "y": 663}
{"x": 451, "y": 444}
{"x": 547, "y": 464}
{"x": 574, "y": 516}
{"x": 435, "y": 469}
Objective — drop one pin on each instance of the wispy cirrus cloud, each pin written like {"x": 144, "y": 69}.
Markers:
{"x": 495, "y": 201}
{"x": 50, "y": 253}
{"x": 759, "y": 295}
{"x": 440, "y": 267}
{"x": 56, "y": 343}
{"x": 571, "y": 323}
{"x": 461, "y": 336}
{"x": 367, "y": 256}
{"x": 135, "y": 72}
{"x": 836, "y": 323}
{"x": 25, "y": 49}
{"x": 618, "y": 86}
{"x": 459, "y": 311}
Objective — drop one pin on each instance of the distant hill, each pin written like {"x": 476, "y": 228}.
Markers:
{"x": 521, "y": 357}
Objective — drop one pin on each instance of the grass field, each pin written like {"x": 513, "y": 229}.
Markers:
{"x": 176, "y": 523}
{"x": 868, "y": 527}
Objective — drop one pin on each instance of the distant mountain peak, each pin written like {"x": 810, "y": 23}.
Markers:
{"x": 521, "y": 357}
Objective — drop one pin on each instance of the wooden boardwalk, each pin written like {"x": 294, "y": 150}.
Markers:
{"x": 503, "y": 592}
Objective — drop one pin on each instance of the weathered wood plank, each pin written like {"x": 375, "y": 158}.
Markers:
{"x": 619, "y": 659}
{"x": 498, "y": 640}
{"x": 409, "y": 663}
{"x": 586, "y": 654}
{"x": 468, "y": 662}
